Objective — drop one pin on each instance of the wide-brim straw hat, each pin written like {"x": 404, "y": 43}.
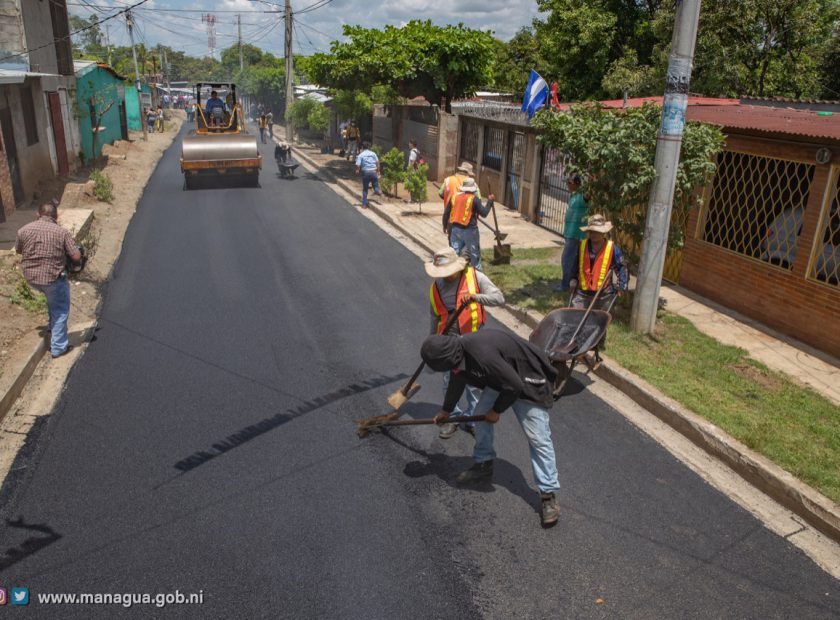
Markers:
{"x": 445, "y": 263}
{"x": 597, "y": 223}
{"x": 465, "y": 167}
{"x": 469, "y": 186}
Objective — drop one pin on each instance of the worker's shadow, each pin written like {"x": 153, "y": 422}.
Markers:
{"x": 446, "y": 467}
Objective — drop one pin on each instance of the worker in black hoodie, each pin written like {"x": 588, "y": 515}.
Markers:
{"x": 512, "y": 373}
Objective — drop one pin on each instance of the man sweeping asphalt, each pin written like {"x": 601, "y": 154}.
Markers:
{"x": 512, "y": 373}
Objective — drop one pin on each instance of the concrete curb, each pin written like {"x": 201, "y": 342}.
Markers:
{"x": 25, "y": 360}
{"x": 816, "y": 509}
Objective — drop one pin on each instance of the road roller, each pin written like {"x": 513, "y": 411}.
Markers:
{"x": 219, "y": 148}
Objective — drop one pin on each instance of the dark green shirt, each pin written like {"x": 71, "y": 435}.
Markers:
{"x": 575, "y": 217}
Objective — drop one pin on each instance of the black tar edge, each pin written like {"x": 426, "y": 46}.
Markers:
{"x": 266, "y": 424}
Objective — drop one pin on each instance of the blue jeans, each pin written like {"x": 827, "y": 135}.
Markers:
{"x": 58, "y": 305}
{"x": 534, "y": 422}
{"x": 472, "y": 395}
{"x": 569, "y": 262}
{"x": 460, "y": 238}
{"x": 369, "y": 178}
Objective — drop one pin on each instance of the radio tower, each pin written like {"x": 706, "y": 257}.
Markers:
{"x": 210, "y": 20}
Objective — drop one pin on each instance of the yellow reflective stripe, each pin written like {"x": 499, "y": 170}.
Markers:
{"x": 472, "y": 289}
{"x": 433, "y": 299}
{"x": 584, "y": 252}
{"x": 465, "y": 218}
{"x": 605, "y": 263}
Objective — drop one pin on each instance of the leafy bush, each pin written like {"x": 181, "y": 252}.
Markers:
{"x": 614, "y": 150}
{"x": 319, "y": 118}
{"x": 393, "y": 170}
{"x": 26, "y": 298}
{"x": 298, "y": 112}
{"x": 416, "y": 182}
{"x": 103, "y": 188}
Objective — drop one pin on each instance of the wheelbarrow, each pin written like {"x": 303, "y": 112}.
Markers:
{"x": 567, "y": 335}
{"x": 285, "y": 164}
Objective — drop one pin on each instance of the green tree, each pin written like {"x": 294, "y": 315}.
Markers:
{"x": 418, "y": 59}
{"x": 91, "y": 40}
{"x": 614, "y": 150}
{"x": 627, "y": 77}
{"x": 298, "y": 112}
{"x": 318, "y": 118}
{"x": 514, "y": 61}
{"x": 393, "y": 170}
{"x": 760, "y": 47}
{"x": 416, "y": 182}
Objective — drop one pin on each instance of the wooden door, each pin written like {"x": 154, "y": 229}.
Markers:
{"x": 58, "y": 133}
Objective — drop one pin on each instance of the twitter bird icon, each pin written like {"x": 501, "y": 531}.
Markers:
{"x": 20, "y": 596}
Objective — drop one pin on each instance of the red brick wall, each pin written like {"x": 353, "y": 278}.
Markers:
{"x": 781, "y": 299}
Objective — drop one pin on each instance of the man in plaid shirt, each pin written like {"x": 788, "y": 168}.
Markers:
{"x": 44, "y": 246}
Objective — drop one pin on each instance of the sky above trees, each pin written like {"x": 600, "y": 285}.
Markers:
{"x": 316, "y": 27}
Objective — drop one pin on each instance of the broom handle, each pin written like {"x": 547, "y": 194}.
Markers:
{"x": 423, "y": 421}
{"x": 446, "y": 327}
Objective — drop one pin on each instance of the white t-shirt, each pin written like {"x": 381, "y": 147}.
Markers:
{"x": 413, "y": 156}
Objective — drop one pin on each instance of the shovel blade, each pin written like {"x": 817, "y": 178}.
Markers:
{"x": 400, "y": 397}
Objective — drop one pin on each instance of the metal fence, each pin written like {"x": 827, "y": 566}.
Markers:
{"x": 468, "y": 149}
{"x": 516, "y": 162}
{"x": 494, "y": 145}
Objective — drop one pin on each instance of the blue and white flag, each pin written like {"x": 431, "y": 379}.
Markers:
{"x": 536, "y": 94}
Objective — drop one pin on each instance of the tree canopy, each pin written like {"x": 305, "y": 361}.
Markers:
{"x": 418, "y": 59}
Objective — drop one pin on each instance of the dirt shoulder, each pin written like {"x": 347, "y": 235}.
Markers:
{"x": 130, "y": 164}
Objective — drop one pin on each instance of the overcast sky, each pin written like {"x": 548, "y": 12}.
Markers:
{"x": 316, "y": 26}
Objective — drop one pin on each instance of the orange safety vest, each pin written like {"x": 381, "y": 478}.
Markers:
{"x": 263, "y": 123}
{"x": 451, "y": 185}
{"x": 472, "y": 317}
{"x": 592, "y": 276}
{"x": 461, "y": 212}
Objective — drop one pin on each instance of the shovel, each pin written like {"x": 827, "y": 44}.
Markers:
{"x": 364, "y": 427}
{"x": 399, "y": 398}
{"x": 501, "y": 251}
{"x": 572, "y": 344}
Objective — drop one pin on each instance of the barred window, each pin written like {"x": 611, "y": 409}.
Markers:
{"x": 494, "y": 140}
{"x": 826, "y": 265}
{"x": 469, "y": 142}
{"x": 756, "y": 206}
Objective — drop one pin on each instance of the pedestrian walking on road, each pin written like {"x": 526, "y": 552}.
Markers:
{"x": 263, "y": 127}
{"x": 413, "y": 154}
{"x": 354, "y": 138}
{"x": 572, "y": 233}
{"x": 151, "y": 117}
{"x": 596, "y": 257}
{"x": 454, "y": 283}
{"x": 367, "y": 164}
{"x": 460, "y": 220}
{"x": 269, "y": 119}
{"x": 160, "y": 119}
{"x": 512, "y": 373}
{"x": 45, "y": 247}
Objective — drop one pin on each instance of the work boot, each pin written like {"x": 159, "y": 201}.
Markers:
{"x": 478, "y": 473}
{"x": 549, "y": 511}
{"x": 447, "y": 430}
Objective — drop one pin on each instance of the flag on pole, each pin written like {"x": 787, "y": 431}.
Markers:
{"x": 536, "y": 92}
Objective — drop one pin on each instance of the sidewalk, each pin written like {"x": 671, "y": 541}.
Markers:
{"x": 802, "y": 363}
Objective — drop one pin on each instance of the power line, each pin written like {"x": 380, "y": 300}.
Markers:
{"x": 314, "y": 6}
{"x": 164, "y": 10}
{"x": 300, "y": 23}
{"x": 75, "y": 32}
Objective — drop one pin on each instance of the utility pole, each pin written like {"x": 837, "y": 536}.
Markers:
{"x": 290, "y": 95}
{"x": 239, "y": 28}
{"x": 164, "y": 65}
{"x": 668, "y": 145}
{"x": 136, "y": 76}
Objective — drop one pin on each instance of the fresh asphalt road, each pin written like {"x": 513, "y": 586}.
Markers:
{"x": 206, "y": 442}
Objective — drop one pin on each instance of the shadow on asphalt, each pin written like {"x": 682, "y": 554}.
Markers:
{"x": 446, "y": 467}
{"x": 30, "y": 545}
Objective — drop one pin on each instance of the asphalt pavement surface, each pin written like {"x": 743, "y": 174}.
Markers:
{"x": 205, "y": 444}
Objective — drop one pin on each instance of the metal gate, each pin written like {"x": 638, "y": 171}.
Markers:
{"x": 554, "y": 195}
{"x": 516, "y": 162}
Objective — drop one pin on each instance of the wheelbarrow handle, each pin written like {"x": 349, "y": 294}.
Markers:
{"x": 607, "y": 277}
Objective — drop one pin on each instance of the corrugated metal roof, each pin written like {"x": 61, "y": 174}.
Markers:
{"x": 772, "y": 120}
{"x": 11, "y": 76}
{"x": 733, "y": 114}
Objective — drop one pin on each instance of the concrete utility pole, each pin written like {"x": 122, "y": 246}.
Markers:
{"x": 652, "y": 262}
{"x": 290, "y": 94}
{"x": 239, "y": 28}
{"x": 136, "y": 76}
